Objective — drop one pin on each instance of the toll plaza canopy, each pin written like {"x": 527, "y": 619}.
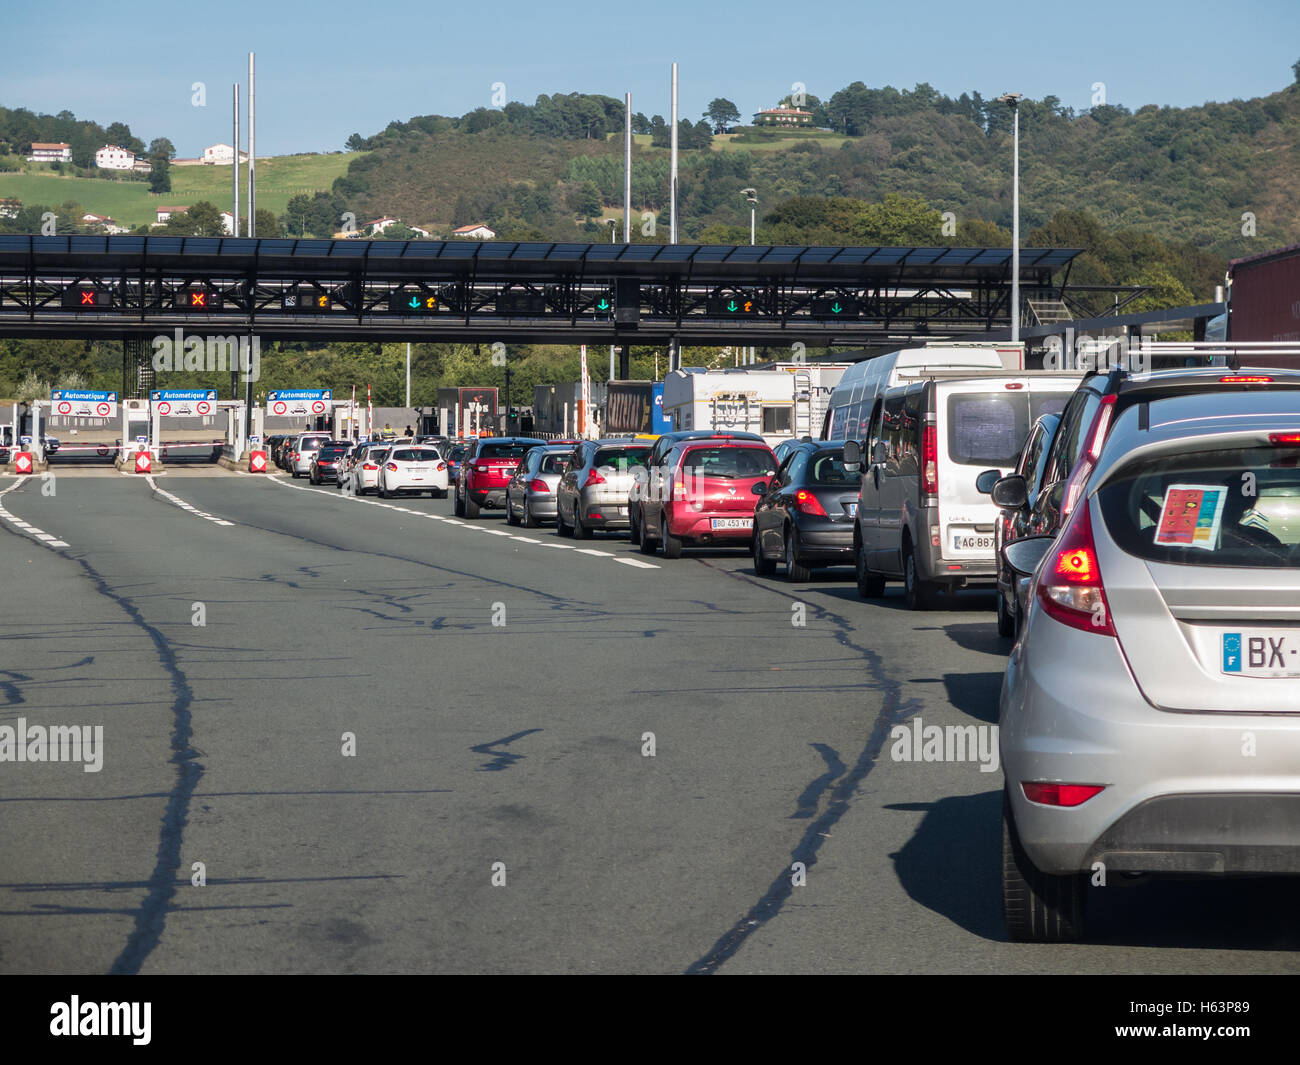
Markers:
{"x": 428, "y": 289}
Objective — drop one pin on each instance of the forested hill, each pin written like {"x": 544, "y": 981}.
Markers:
{"x": 1181, "y": 174}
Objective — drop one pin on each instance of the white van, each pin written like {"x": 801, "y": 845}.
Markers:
{"x": 920, "y": 517}
{"x": 859, "y": 385}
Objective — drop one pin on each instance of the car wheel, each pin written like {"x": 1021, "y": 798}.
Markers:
{"x": 1006, "y": 618}
{"x": 510, "y": 513}
{"x": 471, "y": 508}
{"x": 526, "y": 518}
{"x": 1037, "y": 907}
{"x": 580, "y": 531}
{"x": 296, "y": 474}
{"x": 634, "y": 528}
{"x": 458, "y": 506}
{"x": 917, "y": 594}
{"x": 870, "y": 585}
{"x": 794, "y": 569}
{"x": 763, "y": 567}
{"x": 672, "y": 544}
{"x": 560, "y": 528}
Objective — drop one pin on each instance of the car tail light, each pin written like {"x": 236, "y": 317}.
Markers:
{"x": 1284, "y": 439}
{"x": 1069, "y": 584}
{"x": 538, "y": 485}
{"x": 441, "y": 466}
{"x": 369, "y": 466}
{"x": 592, "y": 478}
{"x": 1050, "y": 794}
{"x": 1096, "y": 440}
{"x": 1246, "y": 379}
{"x": 930, "y": 460}
{"x": 807, "y": 503}
{"x": 391, "y": 467}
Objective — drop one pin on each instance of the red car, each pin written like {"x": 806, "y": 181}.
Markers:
{"x": 485, "y": 471}
{"x": 708, "y": 497}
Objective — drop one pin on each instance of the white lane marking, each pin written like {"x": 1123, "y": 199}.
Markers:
{"x": 190, "y": 508}
{"x": 25, "y": 527}
{"x": 473, "y": 526}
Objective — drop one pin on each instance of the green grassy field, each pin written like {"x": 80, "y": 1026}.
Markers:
{"x": 132, "y": 204}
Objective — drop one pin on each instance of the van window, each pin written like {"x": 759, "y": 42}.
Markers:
{"x": 986, "y": 428}
{"x": 892, "y": 424}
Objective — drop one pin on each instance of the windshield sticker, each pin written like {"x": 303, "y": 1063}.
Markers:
{"x": 1191, "y": 516}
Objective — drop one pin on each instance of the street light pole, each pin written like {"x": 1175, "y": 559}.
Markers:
{"x": 1012, "y": 99}
{"x": 751, "y": 197}
{"x": 613, "y": 224}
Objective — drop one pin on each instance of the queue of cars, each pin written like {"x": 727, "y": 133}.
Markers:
{"x": 1141, "y": 532}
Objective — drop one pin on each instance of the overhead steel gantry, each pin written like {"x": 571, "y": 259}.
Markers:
{"x": 423, "y": 290}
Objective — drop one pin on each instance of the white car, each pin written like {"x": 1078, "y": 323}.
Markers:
{"x": 366, "y": 462}
{"x": 413, "y": 469}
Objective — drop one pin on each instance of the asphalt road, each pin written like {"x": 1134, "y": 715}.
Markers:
{"x": 499, "y": 685}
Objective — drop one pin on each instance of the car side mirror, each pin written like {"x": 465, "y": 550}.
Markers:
{"x": 1010, "y": 492}
{"x": 880, "y": 453}
{"x": 852, "y": 455}
{"x": 985, "y": 481}
{"x": 759, "y": 489}
{"x": 1023, "y": 556}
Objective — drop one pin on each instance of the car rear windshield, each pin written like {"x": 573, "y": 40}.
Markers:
{"x": 621, "y": 457}
{"x": 729, "y": 462}
{"x": 990, "y": 428}
{"x": 332, "y": 452}
{"x": 828, "y": 468}
{"x": 1236, "y": 507}
{"x": 408, "y": 454}
{"x": 556, "y": 463}
{"x": 313, "y": 443}
{"x": 506, "y": 451}
{"x": 457, "y": 453}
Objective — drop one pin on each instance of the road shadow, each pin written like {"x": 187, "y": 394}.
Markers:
{"x": 975, "y": 694}
{"x": 952, "y": 862}
{"x": 979, "y": 636}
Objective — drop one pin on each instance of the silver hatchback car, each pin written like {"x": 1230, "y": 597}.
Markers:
{"x": 1150, "y": 713}
{"x": 593, "y": 493}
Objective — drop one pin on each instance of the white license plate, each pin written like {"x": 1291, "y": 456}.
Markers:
{"x": 733, "y": 523}
{"x": 851, "y": 509}
{"x": 972, "y": 542}
{"x": 1267, "y": 653}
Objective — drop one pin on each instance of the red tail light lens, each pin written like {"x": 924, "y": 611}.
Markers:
{"x": 1246, "y": 379}
{"x": 930, "y": 460}
{"x": 538, "y": 485}
{"x": 1284, "y": 439}
{"x": 592, "y": 478}
{"x": 441, "y": 466}
{"x": 391, "y": 467}
{"x": 1069, "y": 585}
{"x": 807, "y": 503}
{"x": 1050, "y": 794}
{"x": 369, "y": 466}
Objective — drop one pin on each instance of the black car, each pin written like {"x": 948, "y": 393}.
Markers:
{"x": 805, "y": 518}
{"x": 325, "y": 466}
{"x": 1020, "y": 521}
{"x": 652, "y": 478}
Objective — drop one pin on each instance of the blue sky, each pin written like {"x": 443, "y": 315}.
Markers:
{"x": 328, "y": 69}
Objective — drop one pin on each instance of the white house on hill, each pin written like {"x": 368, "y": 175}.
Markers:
{"x": 477, "y": 231}
{"x": 111, "y": 157}
{"x": 222, "y": 155}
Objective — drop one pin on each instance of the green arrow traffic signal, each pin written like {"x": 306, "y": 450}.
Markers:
{"x": 415, "y": 302}
{"x": 603, "y": 305}
{"x": 731, "y": 306}
{"x": 836, "y": 308}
